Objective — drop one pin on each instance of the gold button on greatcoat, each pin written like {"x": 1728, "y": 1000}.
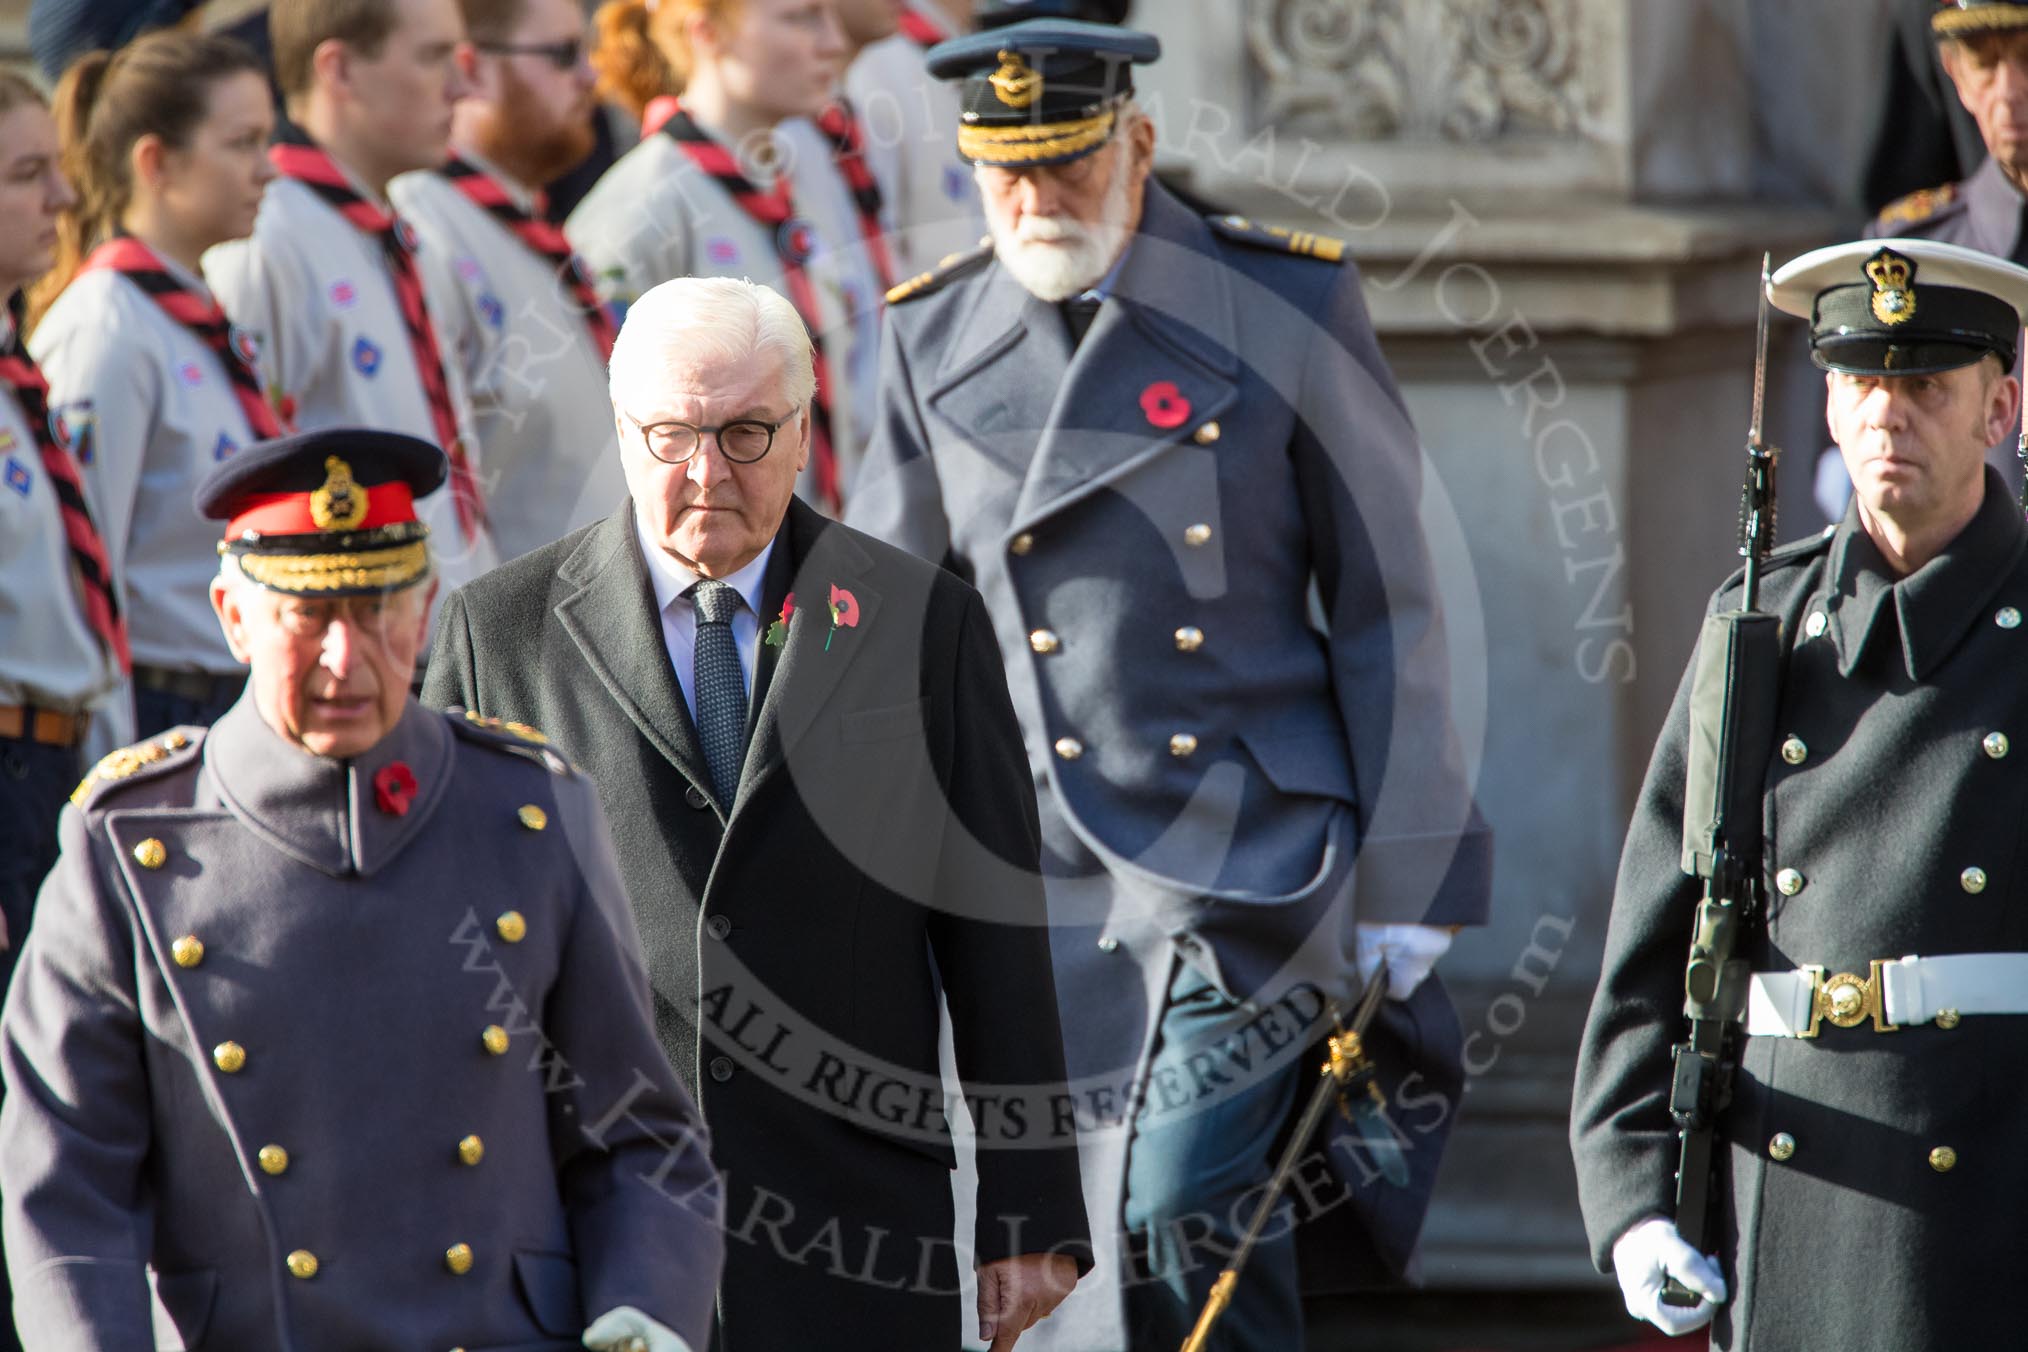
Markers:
{"x": 273, "y": 1159}
{"x": 1206, "y": 434}
{"x": 1189, "y": 638}
{"x": 1789, "y": 882}
{"x": 188, "y": 951}
{"x": 1021, "y": 543}
{"x": 1995, "y": 744}
{"x": 228, "y": 1057}
{"x": 1973, "y": 880}
{"x": 1197, "y": 536}
{"x": 176, "y": 741}
{"x": 495, "y": 1038}
{"x": 511, "y": 926}
{"x": 1947, "y": 1018}
{"x": 2007, "y": 617}
{"x": 1943, "y": 1159}
{"x": 1794, "y": 751}
{"x": 471, "y": 1150}
{"x": 1044, "y": 641}
{"x": 458, "y": 1258}
{"x": 1183, "y": 744}
{"x": 303, "y": 1263}
{"x": 532, "y": 817}
{"x": 1782, "y": 1146}
{"x": 1069, "y": 748}
{"x": 151, "y": 853}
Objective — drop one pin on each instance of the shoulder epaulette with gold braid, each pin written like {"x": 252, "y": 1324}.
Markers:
{"x": 1919, "y": 205}
{"x": 152, "y": 756}
{"x": 948, "y": 269}
{"x": 1300, "y": 242}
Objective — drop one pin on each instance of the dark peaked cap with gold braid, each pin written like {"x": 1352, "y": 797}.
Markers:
{"x": 1904, "y": 307}
{"x": 327, "y": 513}
{"x": 1041, "y": 92}
{"x": 1967, "y": 18}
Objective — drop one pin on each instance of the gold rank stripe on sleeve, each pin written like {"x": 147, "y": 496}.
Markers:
{"x": 948, "y": 267}
{"x": 1305, "y": 243}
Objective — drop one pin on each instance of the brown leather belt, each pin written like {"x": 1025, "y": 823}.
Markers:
{"x": 200, "y": 687}
{"x": 26, "y": 723}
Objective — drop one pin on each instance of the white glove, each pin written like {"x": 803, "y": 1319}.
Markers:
{"x": 614, "y": 1329}
{"x": 1650, "y": 1253}
{"x": 1410, "y": 950}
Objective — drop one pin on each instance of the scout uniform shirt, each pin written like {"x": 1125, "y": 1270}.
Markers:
{"x": 656, "y": 216}
{"x": 536, "y": 374}
{"x": 49, "y": 656}
{"x": 315, "y": 296}
{"x": 150, "y": 412}
{"x": 910, "y": 122}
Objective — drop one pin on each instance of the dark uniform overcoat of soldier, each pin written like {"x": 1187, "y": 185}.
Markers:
{"x": 333, "y": 1029}
{"x": 1870, "y": 1168}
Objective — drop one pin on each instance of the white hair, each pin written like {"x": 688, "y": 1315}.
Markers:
{"x": 723, "y": 318}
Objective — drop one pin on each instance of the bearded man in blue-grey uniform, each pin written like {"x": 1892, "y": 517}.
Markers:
{"x": 333, "y": 1031}
{"x": 1148, "y": 437}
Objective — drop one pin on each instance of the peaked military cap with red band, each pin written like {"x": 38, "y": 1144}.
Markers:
{"x": 327, "y": 513}
{"x": 1044, "y": 91}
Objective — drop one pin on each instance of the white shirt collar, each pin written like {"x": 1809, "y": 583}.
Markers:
{"x": 671, "y": 579}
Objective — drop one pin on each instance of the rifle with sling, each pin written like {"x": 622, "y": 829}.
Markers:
{"x": 1733, "y": 695}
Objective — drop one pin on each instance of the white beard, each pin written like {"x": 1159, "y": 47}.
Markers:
{"x": 1057, "y": 257}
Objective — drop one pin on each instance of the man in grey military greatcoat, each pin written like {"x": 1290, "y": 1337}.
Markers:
{"x": 1143, "y": 434}
{"x": 333, "y": 1030}
{"x": 1870, "y": 1169}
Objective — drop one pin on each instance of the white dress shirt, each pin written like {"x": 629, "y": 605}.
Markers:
{"x": 678, "y": 609}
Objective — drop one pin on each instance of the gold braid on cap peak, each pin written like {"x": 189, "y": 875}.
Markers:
{"x": 1030, "y": 142}
{"x": 1978, "y": 18}
{"x": 376, "y": 569}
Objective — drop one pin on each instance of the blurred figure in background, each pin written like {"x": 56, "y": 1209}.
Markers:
{"x": 907, "y": 118}
{"x": 331, "y": 288}
{"x": 535, "y": 336}
{"x": 63, "y": 638}
{"x": 718, "y": 189}
{"x": 166, "y": 145}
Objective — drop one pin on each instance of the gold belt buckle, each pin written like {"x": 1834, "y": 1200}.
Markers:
{"x": 1848, "y": 1000}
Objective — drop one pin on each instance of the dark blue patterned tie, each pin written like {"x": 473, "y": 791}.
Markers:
{"x": 719, "y": 686}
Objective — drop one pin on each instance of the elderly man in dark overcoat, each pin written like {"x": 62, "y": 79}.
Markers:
{"x": 1144, "y": 435}
{"x": 1870, "y": 1166}
{"x": 333, "y": 1029}
{"x": 804, "y": 740}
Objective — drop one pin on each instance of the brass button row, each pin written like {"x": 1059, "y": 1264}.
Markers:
{"x": 1782, "y": 1148}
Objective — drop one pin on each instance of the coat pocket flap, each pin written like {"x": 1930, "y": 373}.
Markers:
{"x": 548, "y": 1282}
{"x": 879, "y": 725}
{"x": 1314, "y": 761}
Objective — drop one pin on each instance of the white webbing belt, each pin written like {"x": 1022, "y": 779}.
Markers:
{"x": 1914, "y": 990}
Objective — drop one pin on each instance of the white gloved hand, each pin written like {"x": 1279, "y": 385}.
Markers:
{"x": 1410, "y": 950}
{"x": 1649, "y": 1254}
{"x": 626, "y": 1329}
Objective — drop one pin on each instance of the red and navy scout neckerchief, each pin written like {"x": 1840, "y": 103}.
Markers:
{"x": 203, "y": 316}
{"x": 840, "y": 125}
{"x": 775, "y": 210}
{"x": 532, "y": 229}
{"x": 308, "y": 165}
{"x": 920, "y": 29}
{"x": 87, "y": 546}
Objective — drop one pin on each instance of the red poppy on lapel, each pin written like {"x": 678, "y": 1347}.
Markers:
{"x": 844, "y": 613}
{"x": 778, "y": 632}
{"x": 394, "y": 788}
{"x": 1165, "y": 405}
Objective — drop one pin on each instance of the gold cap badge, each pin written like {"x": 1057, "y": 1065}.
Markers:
{"x": 338, "y": 505}
{"x": 1016, "y": 82}
{"x": 1893, "y": 280}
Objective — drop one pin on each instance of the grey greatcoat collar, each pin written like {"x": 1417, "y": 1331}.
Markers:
{"x": 319, "y": 810}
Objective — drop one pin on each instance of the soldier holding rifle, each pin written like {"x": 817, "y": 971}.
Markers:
{"x": 1866, "y": 1094}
